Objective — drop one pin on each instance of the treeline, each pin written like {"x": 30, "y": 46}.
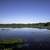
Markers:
{"x": 33, "y": 25}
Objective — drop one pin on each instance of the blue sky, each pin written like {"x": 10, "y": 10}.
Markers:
{"x": 24, "y": 11}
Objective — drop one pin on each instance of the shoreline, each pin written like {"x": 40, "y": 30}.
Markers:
{"x": 36, "y": 25}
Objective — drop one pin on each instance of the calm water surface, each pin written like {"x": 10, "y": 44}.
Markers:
{"x": 30, "y": 34}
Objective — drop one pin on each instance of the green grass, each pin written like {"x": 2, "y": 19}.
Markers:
{"x": 12, "y": 41}
{"x": 18, "y": 43}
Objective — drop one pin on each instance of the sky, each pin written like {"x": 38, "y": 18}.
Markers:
{"x": 24, "y": 11}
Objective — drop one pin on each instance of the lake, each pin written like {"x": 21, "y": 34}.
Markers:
{"x": 31, "y": 35}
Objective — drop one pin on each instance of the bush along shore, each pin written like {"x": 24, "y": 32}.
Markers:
{"x": 33, "y": 25}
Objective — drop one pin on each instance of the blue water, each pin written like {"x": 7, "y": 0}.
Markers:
{"x": 30, "y": 34}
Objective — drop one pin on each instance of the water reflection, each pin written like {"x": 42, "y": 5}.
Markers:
{"x": 29, "y": 37}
